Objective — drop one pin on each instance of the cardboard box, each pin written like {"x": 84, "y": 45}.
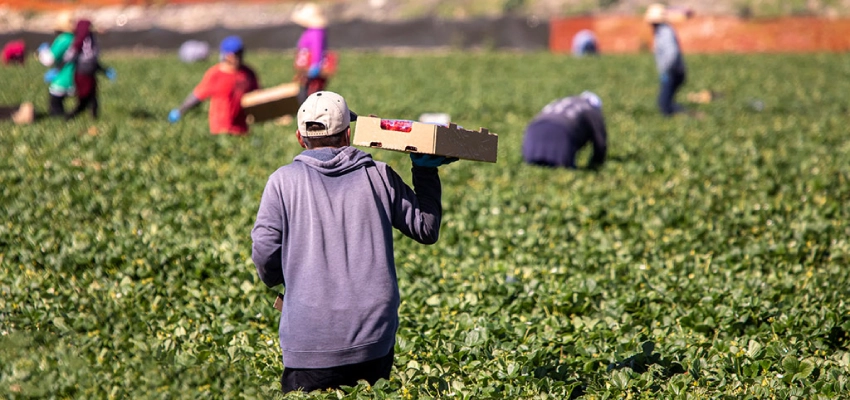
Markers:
{"x": 271, "y": 103}
{"x": 449, "y": 141}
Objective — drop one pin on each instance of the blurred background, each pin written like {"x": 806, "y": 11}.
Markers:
{"x": 716, "y": 26}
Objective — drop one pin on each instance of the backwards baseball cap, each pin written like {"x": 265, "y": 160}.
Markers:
{"x": 328, "y": 109}
{"x": 231, "y": 44}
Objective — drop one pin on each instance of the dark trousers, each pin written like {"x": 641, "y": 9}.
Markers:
{"x": 308, "y": 380}
{"x": 86, "y": 85}
{"x": 83, "y": 103}
{"x": 57, "y": 106}
{"x": 666, "y": 102}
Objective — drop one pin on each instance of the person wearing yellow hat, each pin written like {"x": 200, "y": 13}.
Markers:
{"x": 668, "y": 58}
{"x": 61, "y": 75}
{"x": 312, "y": 57}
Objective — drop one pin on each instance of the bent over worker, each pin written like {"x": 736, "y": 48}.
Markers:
{"x": 562, "y": 128}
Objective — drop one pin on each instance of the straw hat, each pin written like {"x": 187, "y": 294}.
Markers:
{"x": 309, "y": 15}
{"x": 656, "y": 13}
{"x": 64, "y": 22}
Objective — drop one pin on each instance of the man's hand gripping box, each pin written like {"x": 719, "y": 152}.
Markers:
{"x": 420, "y": 137}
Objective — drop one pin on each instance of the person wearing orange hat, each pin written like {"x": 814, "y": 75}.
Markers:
{"x": 668, "y": 58}
{"x": 312, "y": 58}
{"x": 224, "y": 84}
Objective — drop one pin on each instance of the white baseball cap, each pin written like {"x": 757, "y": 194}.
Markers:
{"x": 328, "y": 109}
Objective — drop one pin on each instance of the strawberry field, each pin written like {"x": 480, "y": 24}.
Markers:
{"x": 707, "y": 259}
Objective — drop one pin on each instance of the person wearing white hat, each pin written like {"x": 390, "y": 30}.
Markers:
{"x": 562, "y": 128}
{"x": 324, "y": 230}
{"x": 668, "y": 58}
{"x": 311, "y": 49}
{"x": 60, "y": 77}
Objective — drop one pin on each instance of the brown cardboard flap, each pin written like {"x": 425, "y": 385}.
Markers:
{"x": 271, "y": 103}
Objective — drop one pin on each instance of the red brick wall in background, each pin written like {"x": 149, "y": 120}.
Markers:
{"x": 710, "y": 34}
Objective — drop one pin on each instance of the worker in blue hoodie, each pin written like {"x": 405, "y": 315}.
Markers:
{"x": 324, "y": 230}
{"x": 668, "y": 58}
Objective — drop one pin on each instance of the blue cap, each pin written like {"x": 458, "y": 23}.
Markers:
{"x": 231, "y": 44}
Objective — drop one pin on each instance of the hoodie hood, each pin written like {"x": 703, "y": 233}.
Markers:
{"x": 334, "y": 161}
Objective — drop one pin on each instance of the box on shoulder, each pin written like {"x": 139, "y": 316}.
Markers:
{"x": 419, "y": 137}
{"x": 271, "y": 103}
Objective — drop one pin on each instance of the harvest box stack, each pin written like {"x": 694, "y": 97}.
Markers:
{"x": 419, "y": 137}
{"x": 274, "y": 102}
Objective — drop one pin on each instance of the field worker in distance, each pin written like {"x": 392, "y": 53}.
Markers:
{"x": 584, "y": 43}
{"x": 668, "y": 58}
{"x": 311, "y": 49}
{"x": 556, "y": 134}
{"x": 60, "y": 77}
{"x": 324, "y": 230}
{"x": 224, "y": 84}
{"x": 14, "y": 52}
{"x": 84, "y": 53}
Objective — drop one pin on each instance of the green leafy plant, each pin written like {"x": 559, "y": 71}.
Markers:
{"x": 706, "y": 259}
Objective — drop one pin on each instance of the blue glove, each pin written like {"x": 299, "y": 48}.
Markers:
{"x": 43, "y": 47}
{"x": 665, "y": 78}
{"x": 314, "y": 71}
{"x": 174, "y": 116}
{"x": 111, "y": 74}
{"x": 51, "y": 75}
{"x": 430, "y": 161}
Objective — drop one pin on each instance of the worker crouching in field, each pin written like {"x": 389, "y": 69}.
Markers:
{"x": 84, "y": 54}
{"x": 324, "y": 230}
{"x": 224, "y": 84}
{"x": 564, "y": 126}
{"x": 585, "y": 43}
{"x": 668, "y": 58}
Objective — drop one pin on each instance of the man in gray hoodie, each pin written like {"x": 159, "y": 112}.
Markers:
{"x": 668, "y": 58}
{"x": 324, "y": 231}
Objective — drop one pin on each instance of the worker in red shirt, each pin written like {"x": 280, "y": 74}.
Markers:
{"x": 224, "y": 84}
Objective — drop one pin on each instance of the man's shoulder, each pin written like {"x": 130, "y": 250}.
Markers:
{"x": 212, "y": 72}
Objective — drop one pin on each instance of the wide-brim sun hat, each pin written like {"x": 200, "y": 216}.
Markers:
{"x": 309, "y": 15}
{"x": 64, "y": 22}
{"x": 656, "y": 13}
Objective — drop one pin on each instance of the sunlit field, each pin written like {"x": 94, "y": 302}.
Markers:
{"x": 708, "y": 258}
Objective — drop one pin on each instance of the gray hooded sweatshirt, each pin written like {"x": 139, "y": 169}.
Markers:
{"x": 324, "y": 231}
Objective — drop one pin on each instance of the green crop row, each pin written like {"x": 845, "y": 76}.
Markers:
{"x": 707, "y": 259}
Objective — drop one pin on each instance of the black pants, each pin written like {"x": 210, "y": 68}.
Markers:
{"x": 666, "y": 101}
{"x": 57, "y": 105}
{"x": 308, "y": 380}
{"x": 83, "y": 103}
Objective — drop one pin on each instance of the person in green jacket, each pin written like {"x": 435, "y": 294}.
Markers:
{"x": 61, "y": 75}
